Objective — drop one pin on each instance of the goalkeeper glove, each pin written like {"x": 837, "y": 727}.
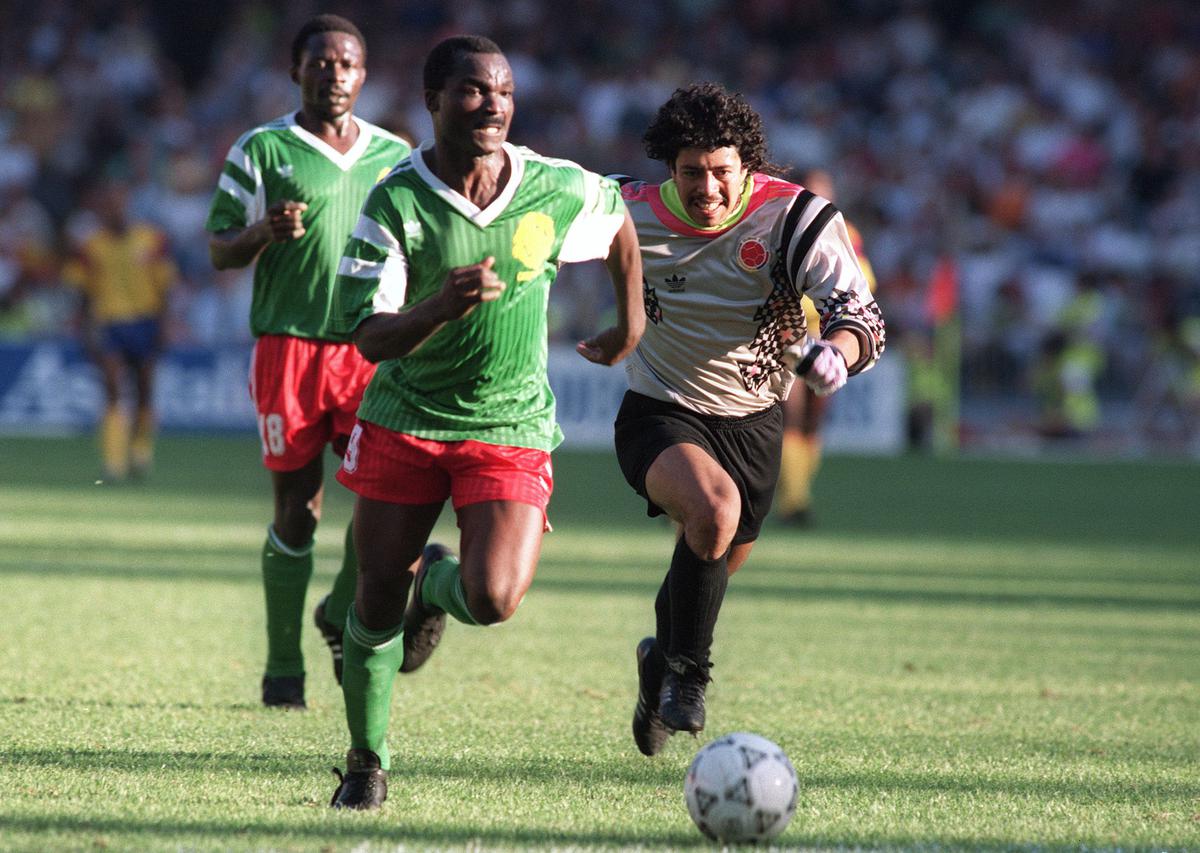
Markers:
{"x": 819, "y": 363}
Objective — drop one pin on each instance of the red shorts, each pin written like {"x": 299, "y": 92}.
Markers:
{"x": 306, "y": 394}
{"x": 398, "y": 468}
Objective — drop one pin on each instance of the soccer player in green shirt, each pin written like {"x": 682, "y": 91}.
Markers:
{"x": 289, "y": 195}
{"x": 445, "y": 283}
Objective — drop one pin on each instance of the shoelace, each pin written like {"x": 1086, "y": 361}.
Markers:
{"x": 689, "y": 671}
{"x": 691, "y": 679}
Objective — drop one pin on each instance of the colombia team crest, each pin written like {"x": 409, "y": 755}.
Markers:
{"x": 752, "y": 254}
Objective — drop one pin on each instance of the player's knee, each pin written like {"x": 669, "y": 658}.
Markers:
{"x": 710, "y": 529}
{"x": 493, "y": 606}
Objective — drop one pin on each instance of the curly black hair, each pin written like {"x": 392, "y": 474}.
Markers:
{"x": 707, "y": 116}
{"x": 325, "y": 24}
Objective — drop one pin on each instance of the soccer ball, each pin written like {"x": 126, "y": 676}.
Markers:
{"x": 741, "y": 789}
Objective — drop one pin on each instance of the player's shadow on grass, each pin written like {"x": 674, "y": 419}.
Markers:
{"x": 389, "y": 825}
{"x": 809, "y": 592}
{"x": 386, "y": 825}
{"x": 228, "y": 566}
{"x": 315, "y": 821}
{"x": 636, "y": 771}
{"x": 645, "y": 587}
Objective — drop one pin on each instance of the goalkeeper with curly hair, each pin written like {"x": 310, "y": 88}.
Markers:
{"x": 728, "y": 251}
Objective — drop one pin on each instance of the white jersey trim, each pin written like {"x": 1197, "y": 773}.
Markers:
{"x": 591, "y": 234}
{"x": 346, "y": 161}
{"x": 254, "y": 204}
{"x": 483, "y": 217}
{"x": 393, "y": 284}
{"x": 370, "y": 231}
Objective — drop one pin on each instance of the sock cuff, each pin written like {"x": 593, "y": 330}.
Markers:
{"x": 278, "y": 544}
{"x": 460, "y": 597}
{"x": 684, "y": 551}
{"x": 375, "y": 641}
{"x": 443, "y": 589}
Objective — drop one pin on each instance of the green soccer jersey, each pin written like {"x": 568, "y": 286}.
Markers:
{"x": 482, "y": 377}
{"x": 293, "y": 280}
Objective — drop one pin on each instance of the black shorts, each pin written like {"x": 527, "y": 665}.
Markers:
{"x": 747, "y": 448}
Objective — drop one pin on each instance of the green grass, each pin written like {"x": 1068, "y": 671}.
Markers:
{"x": 962, "y": 654}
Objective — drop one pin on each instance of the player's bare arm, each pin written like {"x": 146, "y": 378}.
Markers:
{"x": 385, "y": 336}
{"x": 848, "y": 343}
{"x": 625, "y": 268}
{"x": 239, "y": 247}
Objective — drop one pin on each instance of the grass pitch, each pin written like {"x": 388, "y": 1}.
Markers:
{"x": 961, "y": 654}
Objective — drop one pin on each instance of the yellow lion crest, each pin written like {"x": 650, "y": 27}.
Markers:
{"x": 532, "y": 242}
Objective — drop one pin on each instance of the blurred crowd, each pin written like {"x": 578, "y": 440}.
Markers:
{"x": 1026, "y": 176}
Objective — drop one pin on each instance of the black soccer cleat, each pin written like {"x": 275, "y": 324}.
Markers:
{"x": 681, "y": 702}
{"x": 364, "y": 784}
{"x": 283, "y": 691}
{"x": 423, "y": 625}
{"x": 332, "y": 635}
{"x": 649, "y": 733}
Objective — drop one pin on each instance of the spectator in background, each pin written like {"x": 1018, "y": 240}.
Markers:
{"x": 123, "y": 270}
{"x": 1016, "y": 139}
{"x": 1069, "y": 365}
{"x": 28, "y": 260}
{"x": 1168, "y": 399}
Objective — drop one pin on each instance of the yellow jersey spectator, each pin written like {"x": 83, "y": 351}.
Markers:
{"x": 123, "y": 271}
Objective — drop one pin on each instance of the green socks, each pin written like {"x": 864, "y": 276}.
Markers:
{"x": 285, "y": 573}
{"x": 443, "y": 589}
{"x": 341, "y": 597}
{"x": 372, "y": 659}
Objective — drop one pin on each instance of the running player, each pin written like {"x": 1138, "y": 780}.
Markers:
{"x": 124, "y": 272}
{"x": 728, "y": 251}
{"x": 288, "y": 198}
{"x": 445, "y": 284}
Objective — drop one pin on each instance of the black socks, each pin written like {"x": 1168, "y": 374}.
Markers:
{"x": 689, "y": 602}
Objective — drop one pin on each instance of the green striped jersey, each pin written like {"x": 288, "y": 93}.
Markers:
{"x": 482, "y": 377}
{"x": 293, "y": 281}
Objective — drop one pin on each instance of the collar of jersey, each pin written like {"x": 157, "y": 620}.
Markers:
{"x": 343, "y": 161}
{"x": 669, "y": 192}
{"x": 483, "y": 217}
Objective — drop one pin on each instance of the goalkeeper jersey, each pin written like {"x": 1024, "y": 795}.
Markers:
{"x": 280, "y": 160}
{"x": 482, "y": 377}
{"x": 723, "y": 303}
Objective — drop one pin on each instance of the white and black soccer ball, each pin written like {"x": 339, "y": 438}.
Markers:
{"x": 741, "y": 789}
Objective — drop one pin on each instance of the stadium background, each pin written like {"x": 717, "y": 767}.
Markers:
{"x": 1026, "y": 177}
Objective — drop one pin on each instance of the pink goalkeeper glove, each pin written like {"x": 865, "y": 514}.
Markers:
{"x": 820, "y": 364}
